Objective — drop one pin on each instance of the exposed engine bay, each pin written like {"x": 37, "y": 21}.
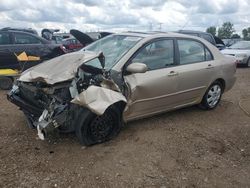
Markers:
{"x": 53, "y": 108}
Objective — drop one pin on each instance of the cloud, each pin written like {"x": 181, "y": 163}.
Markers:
{"x": 147, "y": 3}
{"x": 131, "y": 14}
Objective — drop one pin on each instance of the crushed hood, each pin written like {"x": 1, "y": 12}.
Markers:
{"x": 58, "y": 69}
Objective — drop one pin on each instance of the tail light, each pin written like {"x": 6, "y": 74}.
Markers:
{"x": 63, "y": 48}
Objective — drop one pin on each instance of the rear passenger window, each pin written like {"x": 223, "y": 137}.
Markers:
{"x": 156, "y": 55}
{"x": 4, "y": 38}
{"x": 192, "y": 52}
{"x": 26, "y": 39}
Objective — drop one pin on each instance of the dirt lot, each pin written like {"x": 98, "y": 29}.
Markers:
{"x": 185, "y": 148}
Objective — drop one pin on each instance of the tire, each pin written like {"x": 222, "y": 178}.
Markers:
{"x": 29, "y": 121}
{"x": 212, "y": 96}
{"x": 92, "y": 129}
{"x": 6, "y": 83}
{"x": 248, "y": 63}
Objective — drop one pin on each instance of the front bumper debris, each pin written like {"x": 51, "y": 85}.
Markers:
{"x": 13, "y": 96}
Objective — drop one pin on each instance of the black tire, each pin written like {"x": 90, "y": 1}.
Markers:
{"x": 6, "y": 83}
{"x": 206, "y": 102}
{"x": 92, "y": 129}
{"x": 248, "y": 63}
{"x": 29, "y": 121}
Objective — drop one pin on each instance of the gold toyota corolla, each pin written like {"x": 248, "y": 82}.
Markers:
{"x": 119, "y": 78}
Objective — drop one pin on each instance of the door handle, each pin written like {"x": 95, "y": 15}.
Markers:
{"x": 209, "y": 66}
{"x": 172, "y": 73}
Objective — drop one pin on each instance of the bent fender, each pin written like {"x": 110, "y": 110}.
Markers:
{"x": 98, "y": 99}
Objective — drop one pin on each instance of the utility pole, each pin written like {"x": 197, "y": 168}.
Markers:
{"x": 160, "y": 24}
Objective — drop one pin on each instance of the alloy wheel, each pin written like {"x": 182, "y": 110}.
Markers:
{"x": 213, "y": 95}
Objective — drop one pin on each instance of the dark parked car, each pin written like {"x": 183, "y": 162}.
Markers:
{"x": 14, "y": 41}
{"x": 28, "y": 30}
{"x": 207, "y": 36}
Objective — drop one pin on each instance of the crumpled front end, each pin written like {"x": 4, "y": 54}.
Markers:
{"x": 53, "y": 107}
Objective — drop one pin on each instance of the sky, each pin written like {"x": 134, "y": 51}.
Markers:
{"x": 124, "y": 15}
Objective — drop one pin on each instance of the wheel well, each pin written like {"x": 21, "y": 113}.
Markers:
{"x": 120, "y": 105}
{"x": 223, "y": 83}
{"x": 11, "y": 77}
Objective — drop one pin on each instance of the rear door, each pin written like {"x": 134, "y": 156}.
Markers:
{"x": 195, "y": 71}
{"x": 7, "y": 58}
{"x": 30, "y": 44}
{"x": 153, "y": 91}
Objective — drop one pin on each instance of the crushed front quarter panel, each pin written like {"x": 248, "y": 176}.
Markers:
{"x": 98, "y": 99}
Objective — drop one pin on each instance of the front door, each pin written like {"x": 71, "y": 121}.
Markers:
{"x": 153, "y": 91}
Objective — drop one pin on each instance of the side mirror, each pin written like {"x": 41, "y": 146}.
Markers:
{"x": 137, "y": 68}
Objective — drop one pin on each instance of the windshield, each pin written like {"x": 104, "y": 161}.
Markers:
{"x": 113, "y": 48}
{"x": 241, "y": 45}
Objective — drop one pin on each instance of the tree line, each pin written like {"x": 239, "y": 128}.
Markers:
{"x": 227, "y": 31}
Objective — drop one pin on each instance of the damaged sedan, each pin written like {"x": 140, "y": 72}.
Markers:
{"x": 119, "y": 78}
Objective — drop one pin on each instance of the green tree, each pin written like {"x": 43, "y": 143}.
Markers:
{"x": 245, "y": 33}
{"x": 226, "y": 30}
{"x": 235, "y": 36}
{"x": 212, "y": 30}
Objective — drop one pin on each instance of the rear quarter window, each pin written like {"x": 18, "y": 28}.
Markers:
{"x": 191, "y": 51}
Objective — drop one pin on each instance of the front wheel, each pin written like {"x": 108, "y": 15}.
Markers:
{"x": 92, "y": 129}
{"x": 212, "y": 96}
{"x": 6, "y": 83}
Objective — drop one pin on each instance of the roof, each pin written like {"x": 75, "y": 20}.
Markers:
{"x": 154, "y": 34}
{"x": 27, "y": 30}
{"x": 192, "y": 31}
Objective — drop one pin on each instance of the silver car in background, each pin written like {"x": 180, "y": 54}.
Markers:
{"x": 122, "y": 77}
{"x": 241, "y": 51}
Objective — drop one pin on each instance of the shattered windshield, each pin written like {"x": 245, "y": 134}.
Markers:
{"x": 113, "y": 48}
{"x": 241, "y": 45}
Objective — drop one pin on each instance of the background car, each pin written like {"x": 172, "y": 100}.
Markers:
{"x": 14, "y": 41}
{"x": 72, "y": 44}
{"x": 207, "y": 36}
{"x": 241, "y": 51}
{"x": 88, "y": 37}
{"x": 122, "y": 77}
{"x": 28, "y": 30}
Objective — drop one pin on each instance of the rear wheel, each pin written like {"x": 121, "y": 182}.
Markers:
{"x": 6, "y": 83}
{"x": 212, "y": 96}
{"x": 92, "y": 129}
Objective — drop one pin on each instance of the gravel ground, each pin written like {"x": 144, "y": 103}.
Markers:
{"x": 184, "y": 148}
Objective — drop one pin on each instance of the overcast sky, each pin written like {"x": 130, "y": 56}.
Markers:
{"x": 116, "y": 15}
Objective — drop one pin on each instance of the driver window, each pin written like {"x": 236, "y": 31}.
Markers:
{"x": 156, "y": 55}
